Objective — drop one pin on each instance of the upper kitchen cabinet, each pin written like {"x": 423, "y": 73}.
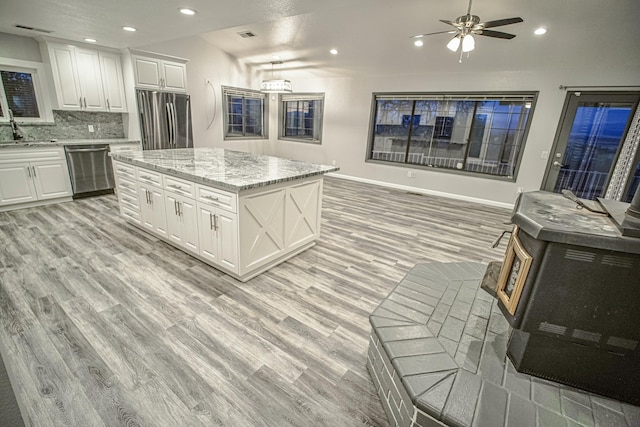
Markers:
{"x": 159, "y": 72}
{"x": 86, "y": 79}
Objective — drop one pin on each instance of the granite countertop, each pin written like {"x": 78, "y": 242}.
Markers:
{"x": 224, "y": 169}
{"x": 63, "y": 142}
{"x": 552, "y": 217}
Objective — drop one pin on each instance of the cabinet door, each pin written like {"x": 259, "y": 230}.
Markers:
{"x": 147, "y": 72}
{"x": 147, "y": 217}
{"x": 51, "y": 179}
{"x": 113, "y": 82}
{"x": 159, "y": 212}
{"x": 175, "y": 228}
{"x": 227, "y": 236}
{"x": 189, "y": 216}
{"x": 63, "y": 65}
{"x": 175, "y": 76}
{"x": 16, "y": 184}
{"x": 208, "y": 236}
{"x": 90, "y": 80}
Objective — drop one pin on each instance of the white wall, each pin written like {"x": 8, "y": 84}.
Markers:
{"x": 347, "y": 118}
{"x": 18, "y": 47}
{"x": 208, "y": 63}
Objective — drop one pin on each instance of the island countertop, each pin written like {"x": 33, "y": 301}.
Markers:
{"x": 221, "y": 168}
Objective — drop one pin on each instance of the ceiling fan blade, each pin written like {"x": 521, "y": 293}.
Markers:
{"x": 496, "y": 34}
{"x": 501, "y": 22}
{"x": 419, "y": 36}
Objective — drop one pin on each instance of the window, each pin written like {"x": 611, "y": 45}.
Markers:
{"x": 21, "y": 92}
{"x": 244, "y": 113}
{"x": 301, "y": 117}
{"x": 475, "y": 133}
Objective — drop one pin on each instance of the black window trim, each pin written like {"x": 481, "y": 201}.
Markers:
{"x": 306, "y": 96}
{"x": 470, "y": 95}
{"x": 245, "y": 93}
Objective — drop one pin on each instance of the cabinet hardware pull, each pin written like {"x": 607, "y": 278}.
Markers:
{"x": 29, "y": 171}
{"x": 108, "y": 105}
{"x": 177, "y": 187}
{"x": 85, "y": 103}
{"x": 151, "y": 197}
{"x": 215, "y": 222}
{"x": 80, "y": 102}
{"x": 215, "y": 199}
{"x": 179, "y": 210}
{"x": 34, "y": 172}
{"x": 145, "y": 177}
{"x": 210, "y": 221}
{"x": 175, "y": 207}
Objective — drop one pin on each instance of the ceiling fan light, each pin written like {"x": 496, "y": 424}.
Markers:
{"x": 454, "y": 44}
{"x": 468, "y": 43}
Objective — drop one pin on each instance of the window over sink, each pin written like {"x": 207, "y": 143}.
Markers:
{"x": 23, "y": 91}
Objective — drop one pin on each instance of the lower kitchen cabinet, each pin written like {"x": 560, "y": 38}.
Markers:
{"x": 182, "y": 221}
{"x": 218, "y": 236}
{"x": 32, "y": 177}
{"x": 153, "y": 214}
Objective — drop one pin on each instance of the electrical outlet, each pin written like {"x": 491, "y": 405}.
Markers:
{"x": 411, "y": 174}
{"x": 333, "y": 162}
{"x": 544, "y": 155}
{"x": 90, "y": 128}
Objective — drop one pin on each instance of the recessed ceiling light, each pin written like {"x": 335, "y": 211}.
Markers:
{"x": 186, "y": 11}
{"x": 334, "y": 51}
{"x": 540, "y": 31}
{"x": 418, "y": 43}
{"x": 276, "y": 57}
{"x": 90, "y": 40}
{"x": 128, "y": 29}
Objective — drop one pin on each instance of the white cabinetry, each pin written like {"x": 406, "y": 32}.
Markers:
{"x": 241, "y": 233}
{"x": 32, "y": 176}
{"x": 113, "y": 82}
{"x": 153, "y": 71}
{"x": 218, "y": 225}
{"x": 153, "y": 214}
{"x": 86, "y": 79}
{"x": 127, "y": 190}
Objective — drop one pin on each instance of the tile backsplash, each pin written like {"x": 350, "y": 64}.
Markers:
{"x": 73, "y": 125}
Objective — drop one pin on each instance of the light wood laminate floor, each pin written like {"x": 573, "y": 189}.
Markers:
{"x": 102, "y": 324}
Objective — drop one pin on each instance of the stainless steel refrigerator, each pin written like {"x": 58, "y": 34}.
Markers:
{"x": 165, "y": 120}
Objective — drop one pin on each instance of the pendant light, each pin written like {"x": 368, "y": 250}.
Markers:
{"x": 275, "y": 85}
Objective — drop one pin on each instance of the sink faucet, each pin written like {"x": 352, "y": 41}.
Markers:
{"x": 18, "y": 135}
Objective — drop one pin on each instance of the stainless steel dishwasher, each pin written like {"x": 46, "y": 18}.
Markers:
{"x": 90, "y": 169}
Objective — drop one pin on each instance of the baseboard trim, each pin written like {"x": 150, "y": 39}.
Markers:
{"x": 423, "y": 191}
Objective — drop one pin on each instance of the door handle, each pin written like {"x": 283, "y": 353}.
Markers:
{"x": 215, "y": 222}
{"x": 34, "y": 172}
{"x": 558, "y": 164}
{"x": 29, "y": 171}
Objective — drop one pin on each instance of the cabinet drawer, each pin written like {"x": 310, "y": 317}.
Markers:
{"x": 179, "y": 186}
{"x": 219, "y": 198}
{"x": 149, "y": 177}
{"x": 124, "y": 170}
{"x": 133, "y": 214}
{"x": 127, "y": 186}
{"x": 129, "y": 200}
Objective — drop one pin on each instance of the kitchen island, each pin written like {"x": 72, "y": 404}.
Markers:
{"x": 238, "y": 212}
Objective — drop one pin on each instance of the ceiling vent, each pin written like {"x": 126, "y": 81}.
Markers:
{"x": 246, "y": 34}
{"x": 26, "y": 27}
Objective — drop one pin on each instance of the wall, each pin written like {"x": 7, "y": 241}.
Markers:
{"x": 18, "y": 47}
{"x": 347, "y": 118}
{"x": 207, "y": 63}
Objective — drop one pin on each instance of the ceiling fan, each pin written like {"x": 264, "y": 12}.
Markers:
{"x": 467, "y": 26}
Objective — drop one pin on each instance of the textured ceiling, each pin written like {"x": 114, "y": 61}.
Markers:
{"x": 371, "y": 35}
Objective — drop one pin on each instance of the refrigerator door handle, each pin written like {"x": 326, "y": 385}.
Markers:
{"x": 169, "y": 123}
{"x": 175, "y": 125}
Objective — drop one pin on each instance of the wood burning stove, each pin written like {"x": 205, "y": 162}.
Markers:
{"x": 570, "y": 287}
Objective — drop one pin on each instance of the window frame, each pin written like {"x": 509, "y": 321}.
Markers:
{"x": 318, "y": 121}
{"x": 245, "y": 94}
{"x": 452, "y": 96}
{"x": 37, "y": 71}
